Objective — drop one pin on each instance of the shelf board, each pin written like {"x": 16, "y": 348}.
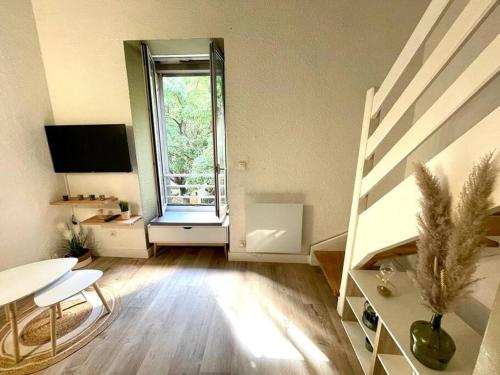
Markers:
{"x": 74, "y": 201}
{"x": 357, "y": 338}
{"x": 395, "y": 364}
{"x": 399, "y": 311}
{"x": 357, "y": 306}
{"x": 116, "y": 223}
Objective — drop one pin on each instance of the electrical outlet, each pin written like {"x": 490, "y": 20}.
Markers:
{"x": 243, "y": 243}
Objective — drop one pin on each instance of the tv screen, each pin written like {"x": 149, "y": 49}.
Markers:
{"x": 88, "y": 148}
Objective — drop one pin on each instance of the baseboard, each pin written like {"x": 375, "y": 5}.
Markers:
{"x": 123, "y": 253}
{"x": 269, "y": 258}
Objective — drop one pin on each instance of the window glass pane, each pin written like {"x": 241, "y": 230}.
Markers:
{"x": 190, "y": 178}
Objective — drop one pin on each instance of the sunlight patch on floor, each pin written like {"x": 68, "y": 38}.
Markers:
{"x": 258, "y": 333}
{"x": 260, "y": 328}
{"x": 297, "y": 336}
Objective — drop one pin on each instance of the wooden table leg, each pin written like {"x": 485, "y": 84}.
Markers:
{"x": 59, "y": 310}
{"x": 103, "y": 300}
{"x": 53, "y": 337}
{"x": 12, "y": 313}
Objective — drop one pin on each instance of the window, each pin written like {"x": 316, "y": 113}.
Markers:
{"x": 186, "y": 102}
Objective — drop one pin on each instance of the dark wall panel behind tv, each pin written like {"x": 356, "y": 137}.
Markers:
{"x": 88, "y": 148}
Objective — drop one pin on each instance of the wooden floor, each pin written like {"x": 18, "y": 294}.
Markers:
{"x": 189, "y": 311}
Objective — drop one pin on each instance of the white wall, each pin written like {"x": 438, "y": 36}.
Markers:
{"x": 28, "y": 182}
{"x": 296, "y": 76}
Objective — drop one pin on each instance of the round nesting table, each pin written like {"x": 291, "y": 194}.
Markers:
{"x": 22, "y": 281}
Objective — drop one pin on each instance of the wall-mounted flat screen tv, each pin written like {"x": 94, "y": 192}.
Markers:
{"x": 88, "y": 148}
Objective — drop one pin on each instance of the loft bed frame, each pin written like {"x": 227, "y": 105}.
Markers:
{"x": 388, "y": 226}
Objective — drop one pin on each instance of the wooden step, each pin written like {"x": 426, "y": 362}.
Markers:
{"x": 402, "y": 250}
{"x": 411, "y": 248}
{"x": 494, "y": 225}
{"x": 331, "y": 263}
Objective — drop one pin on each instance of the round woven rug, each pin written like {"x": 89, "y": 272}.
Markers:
{"x": 82, "y": 320}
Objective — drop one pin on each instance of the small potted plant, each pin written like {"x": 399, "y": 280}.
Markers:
{"x": 76, "y": 243}
{"x": 124, "y": 210}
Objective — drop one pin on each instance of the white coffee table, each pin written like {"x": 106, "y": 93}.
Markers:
{"x": 22, "y": 281}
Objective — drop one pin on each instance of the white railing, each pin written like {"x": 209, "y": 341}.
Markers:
{"x": 189, "y": 193}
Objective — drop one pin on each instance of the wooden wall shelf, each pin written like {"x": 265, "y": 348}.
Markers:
{"x": 391, "y": 343}
{"x": 74, "y": 201}
{"x": 116, "y": 223}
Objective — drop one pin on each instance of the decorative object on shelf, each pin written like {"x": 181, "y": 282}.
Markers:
{"x": 92, "y": 197}
{"x": 385, "y": 273}
{"x": 431, "y": 344}
{"x": 368, "y": 345}
{"x": 65, "y": 197}
{"x": 448, "y": 251}
{"x": 85, "y": 202}
{"x": 113, "y": 220}
{"x": 76, "y": 243}
{"x": 102, "y": 197}
{"x": 124, "y": 209}
{"x": 370, "y": 318}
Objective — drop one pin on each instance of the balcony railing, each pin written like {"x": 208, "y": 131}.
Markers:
{"x": 188, "y": 193}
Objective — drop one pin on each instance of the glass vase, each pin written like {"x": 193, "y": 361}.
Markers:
{"x": 431, "y": 344}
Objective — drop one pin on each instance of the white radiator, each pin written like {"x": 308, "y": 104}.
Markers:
{"x": 274, "y": 228}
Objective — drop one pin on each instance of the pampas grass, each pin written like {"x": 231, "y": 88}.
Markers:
{"x": 450, "y": 244}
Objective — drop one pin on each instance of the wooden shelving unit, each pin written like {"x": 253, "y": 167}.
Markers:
{"x": 116, "y": 223}
{"x": 391, "y": 343}
{"x": 74, "y": 201}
